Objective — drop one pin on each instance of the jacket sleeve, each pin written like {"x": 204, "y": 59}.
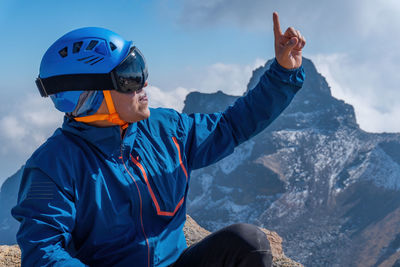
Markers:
{"x": 46, "y": 214}
{"x": 211, "y": 137}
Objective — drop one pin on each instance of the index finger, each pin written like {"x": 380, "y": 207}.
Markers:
{"x": 277, "y": 26}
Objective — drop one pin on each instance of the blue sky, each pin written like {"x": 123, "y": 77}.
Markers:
{"x": 30, "y": 27}
{"x": 204, "y": 45}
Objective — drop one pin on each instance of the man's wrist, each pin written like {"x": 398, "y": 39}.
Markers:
{"x": 280, "y": 67}
{"x": 290, "y": 76}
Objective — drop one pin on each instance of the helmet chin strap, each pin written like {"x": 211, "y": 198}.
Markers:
{"x": 112, "y": 117}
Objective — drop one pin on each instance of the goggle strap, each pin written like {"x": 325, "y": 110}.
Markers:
{"x": 75, "y": 82}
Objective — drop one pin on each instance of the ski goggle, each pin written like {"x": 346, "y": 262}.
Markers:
{"x": 129, "y": 76}
{"x": 131, "y": 73}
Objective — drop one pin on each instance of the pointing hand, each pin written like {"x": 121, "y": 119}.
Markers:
{"x": 288, "y": 46}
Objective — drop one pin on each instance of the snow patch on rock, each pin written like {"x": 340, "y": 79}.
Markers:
{"x": 241, "y": 153}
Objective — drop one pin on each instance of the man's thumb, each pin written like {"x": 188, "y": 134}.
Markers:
{"x": 289, "y": 45}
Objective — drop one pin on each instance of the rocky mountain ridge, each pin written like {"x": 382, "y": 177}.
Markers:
{"x": 330, "y": 189}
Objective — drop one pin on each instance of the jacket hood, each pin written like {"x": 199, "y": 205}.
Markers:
{"x": 107, "y": 139}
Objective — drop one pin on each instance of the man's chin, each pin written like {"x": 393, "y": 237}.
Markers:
{"x": 147, "y": 114}
{"x": 142, "y": 115}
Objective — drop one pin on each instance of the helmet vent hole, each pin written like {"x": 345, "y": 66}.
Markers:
{"x": 92, "y": 44}
{"x": 77, "y": 47}
{"x": 63, "y": 52}
{"x": 84, "y": 58}
{"x": 92, "y": 59}
{"x": 113, "y": 46}
{"x": 97, "y": 61}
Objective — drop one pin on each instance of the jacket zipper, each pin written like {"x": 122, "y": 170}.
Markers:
{"x": 141, "y": 216}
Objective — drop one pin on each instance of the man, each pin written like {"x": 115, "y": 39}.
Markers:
{"x": 109, "y": 188}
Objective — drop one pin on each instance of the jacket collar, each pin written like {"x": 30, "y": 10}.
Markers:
{"x": 106, "y": 139}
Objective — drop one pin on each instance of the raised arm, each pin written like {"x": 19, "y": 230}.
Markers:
{"x": 210, "y": 137}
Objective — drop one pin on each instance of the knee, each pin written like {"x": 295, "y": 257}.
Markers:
{"x": 251, "y": 245}
{"x": 249, "y": 237}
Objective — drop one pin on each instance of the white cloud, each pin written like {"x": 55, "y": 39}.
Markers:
{"x": 11, "y": 129}
{"x": 229, "y": 78}
{"x": 328, "y": 17}
{"x": 28, "y": 124}
{"x": 360, "y": 84}
{"x": 167, "y": 99}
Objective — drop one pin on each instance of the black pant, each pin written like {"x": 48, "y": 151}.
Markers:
{"x": 236, "y": 245}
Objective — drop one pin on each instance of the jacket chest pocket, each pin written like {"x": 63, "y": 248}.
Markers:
{"x": 166, "y": 178}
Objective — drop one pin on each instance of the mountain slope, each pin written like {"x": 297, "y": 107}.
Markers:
{"x": 330, "y": 189}
{"x": 8, "y": 199}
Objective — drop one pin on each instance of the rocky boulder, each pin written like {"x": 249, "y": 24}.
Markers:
{"x": 10, "y": 256}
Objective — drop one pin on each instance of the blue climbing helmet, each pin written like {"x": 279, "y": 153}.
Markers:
{"x": 82, "y": 64}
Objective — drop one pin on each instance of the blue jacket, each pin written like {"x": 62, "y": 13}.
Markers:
{"x": 90, "y": 197}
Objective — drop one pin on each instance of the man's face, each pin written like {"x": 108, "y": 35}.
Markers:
{"x": 131, "y": 107}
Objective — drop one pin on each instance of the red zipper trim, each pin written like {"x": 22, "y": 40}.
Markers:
{"x": 180, "y": 158}
{"x": 153, "y": 197}
{"x": 141, "y": 216}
